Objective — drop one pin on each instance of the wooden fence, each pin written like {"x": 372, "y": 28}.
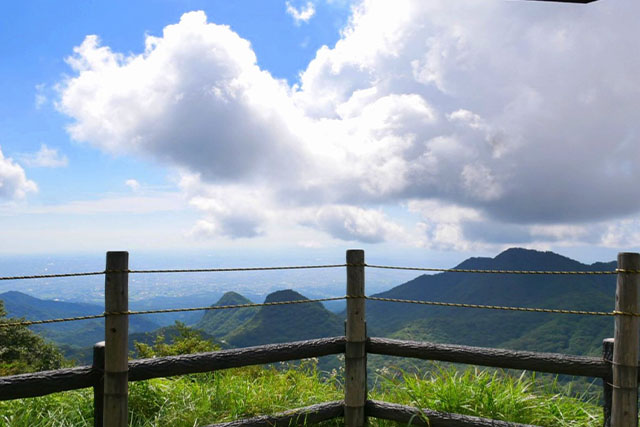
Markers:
{"x": 111, "y": 371}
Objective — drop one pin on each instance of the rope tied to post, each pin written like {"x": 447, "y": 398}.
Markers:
{"x": 303, "y": 267}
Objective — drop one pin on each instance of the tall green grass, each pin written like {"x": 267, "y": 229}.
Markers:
{"x": 193, "y": 400}
{"x": 490, "y": 394}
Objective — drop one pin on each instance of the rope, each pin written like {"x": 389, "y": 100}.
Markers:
{"x": 463, "y": 270}
{"x": 192, "y": 270}
{"x": 498, "y": 307}
{"x": 41, "y": 322}
{"x": 214, "y": 270}
{"x": 48, "y": 276}
{"x": 307, "y": 301}
{"x": 301, "y": 267}
{"x": 222, "y": 307}
{"x": 167, "y": 310}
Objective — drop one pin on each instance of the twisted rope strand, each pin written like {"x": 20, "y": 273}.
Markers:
{"x": 48, "y": 276}
{"x": 222, "y": 307}
{"x": 302, "y": 267}
{"x": 217, "y": 270}
{"x": 185, "y": 270}
{"x": 42, "y": 322}
{"x": 167, "y": 310}
{"x": 498, "y": 307}
{"x": 464, "y": 270}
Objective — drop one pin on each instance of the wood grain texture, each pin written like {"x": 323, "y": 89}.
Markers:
{"x": 98, "y": 387}
{"x": 116, "y": 331}
{"x": 308, "y": 415}
{"x": 415, "y": 416}
{"x": 499, "y": 358}
{"x": 624, "y": 402}
{"x": 356, "y": 330}
{"x": 355, "y": 370}
{"x": 607, "y": 390}
{"x": 144, "y": 369}
{"x": 47, "y": 382}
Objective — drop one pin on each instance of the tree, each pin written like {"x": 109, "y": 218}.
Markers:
{"x": 22, "y": 350}
{"x": 185, "y": 341}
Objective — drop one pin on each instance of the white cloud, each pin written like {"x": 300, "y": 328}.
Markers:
{"x": 353, "y": 223}
{"x": 496, "y": 112}
{"x": 228, "y": 211}
{"x": 301, "y": 14}
{"x": 13, "y": 181}
{"x": 45, "y": 158}
{"x": 133, "y": 184}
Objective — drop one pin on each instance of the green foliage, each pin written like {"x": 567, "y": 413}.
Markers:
{"x": 489, "y": 394}
{"x": 70, "y": 337}
{"x": 186, "y": 401}
{"x": 283, "y": 323}
{"x": 21, "y": 350}
{"x": 251, "y": 391}
{"x": 222, "y": 322}
{"x": 185, "y": 341}
{"x": 489, "y": 328}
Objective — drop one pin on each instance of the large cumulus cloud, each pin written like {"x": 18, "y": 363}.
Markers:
{"x": 517, "y": 118}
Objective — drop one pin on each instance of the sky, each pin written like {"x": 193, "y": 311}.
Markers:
{"x": 438, "y": 129}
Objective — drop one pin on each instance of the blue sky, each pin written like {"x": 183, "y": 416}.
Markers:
{"x": 436, "y": 128}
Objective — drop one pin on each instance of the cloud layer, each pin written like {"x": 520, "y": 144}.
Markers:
{"x": 488, "y": 122}
{"x": 45, "y": 158}
{"x": 13, "y": 181}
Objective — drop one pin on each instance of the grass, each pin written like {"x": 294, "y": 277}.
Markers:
{"x": 193, "y": 400}
{"x": 489, "y": 394}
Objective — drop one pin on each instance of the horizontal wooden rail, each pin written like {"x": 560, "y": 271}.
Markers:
{"x": 301, "y": 416}
{"x": 499, "y": 358}
{"x": 47, "y": 382}
{"x": 145, "y": 369}
{"x": 415, "y": 416}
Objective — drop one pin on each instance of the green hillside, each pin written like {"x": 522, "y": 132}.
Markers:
{"x": 530, "y": 331}
{"x": 219, "y": 323}
{"x": 272, "y": 324}
{"x": 169, "y": 334}
{"x": 75, "y": 339}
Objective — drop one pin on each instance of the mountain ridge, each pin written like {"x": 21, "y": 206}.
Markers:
{"x": 477, "y": 327}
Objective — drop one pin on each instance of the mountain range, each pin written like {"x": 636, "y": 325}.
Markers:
{"x": 492, "y": 328}
{"x": 565, "y": 333}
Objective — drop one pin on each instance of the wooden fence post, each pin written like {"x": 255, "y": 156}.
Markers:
{"x": 607, "y": 355}
{"x": 624, "y": 408}
{"x": 98, "y": 388}
{"x": 116, "y": 334}
{"x": 355, "y": 386}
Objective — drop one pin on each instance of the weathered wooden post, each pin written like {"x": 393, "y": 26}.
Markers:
{"x": 624, "y": 409}
{"x": 116, "y": 333}
{"x": 607, "y": 355}
{"x": 98, "y": 388}
{"x": 355, "y": 387}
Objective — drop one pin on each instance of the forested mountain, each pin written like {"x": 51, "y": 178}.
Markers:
{"x": 270, "y": 324}
{"x": 74, "y": 338}
{"x": 531, "y": 331}
{"x": 222, "y": 322}
{"x": 292, "y": 322}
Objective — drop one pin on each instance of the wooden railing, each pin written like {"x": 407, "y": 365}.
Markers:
{"x": 619, "y": 379}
